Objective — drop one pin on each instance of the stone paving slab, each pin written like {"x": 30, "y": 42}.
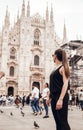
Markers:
{"x": 18, "y": 122}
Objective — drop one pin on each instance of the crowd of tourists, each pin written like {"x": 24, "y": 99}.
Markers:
{"x": 38, "y": 101}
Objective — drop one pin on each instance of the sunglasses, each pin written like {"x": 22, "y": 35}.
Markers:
{"x": 52, "y": 55}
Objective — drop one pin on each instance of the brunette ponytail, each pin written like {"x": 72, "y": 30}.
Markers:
{"x": 65, "y": 64}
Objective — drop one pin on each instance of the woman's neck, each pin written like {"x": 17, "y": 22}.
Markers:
{"x": 58, "y": 65}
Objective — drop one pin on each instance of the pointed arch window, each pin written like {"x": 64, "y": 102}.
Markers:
{"x": 12, "y": 53}
{"x": 11, "y": 71}
{"x": 36, "y": 60}
{"x": 36, "y": 37}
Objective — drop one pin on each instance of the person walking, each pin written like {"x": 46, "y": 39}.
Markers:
{"x": 45, "y": 97}
{"x": 35, "y": 99}
{"x": 23, "y": 100}
{"x": 81, "y": 99}
{"x": 59, "y": 79}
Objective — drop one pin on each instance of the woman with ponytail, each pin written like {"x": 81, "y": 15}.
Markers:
{"x": 59, "y": 80}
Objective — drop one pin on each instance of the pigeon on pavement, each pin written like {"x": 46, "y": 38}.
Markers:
{"x": 22, "y": 113}
{"x": 36, "y": 125}
{"x": 1, "y": 111}
{"x": 11, "y": 113}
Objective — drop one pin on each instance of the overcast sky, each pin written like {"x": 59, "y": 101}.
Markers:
{"x": 70, "y": 11}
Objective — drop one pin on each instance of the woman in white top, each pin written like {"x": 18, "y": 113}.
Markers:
{"x": 45, "y": 97}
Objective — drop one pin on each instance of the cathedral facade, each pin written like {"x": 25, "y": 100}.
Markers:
{"x": 26, "y": 51}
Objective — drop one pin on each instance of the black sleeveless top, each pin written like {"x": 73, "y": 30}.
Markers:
{"x": 56, "y": 83}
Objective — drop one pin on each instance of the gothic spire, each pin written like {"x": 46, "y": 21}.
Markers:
{"x": 28, "y": 9}
{"x": 51, "y": 14}
{"x": 23, "y": 8}
{"x": 7, "y": 18}
{"x": 64, "y": 34}
{"x": 18, "y": 15}
{"x": 47, "y": 13}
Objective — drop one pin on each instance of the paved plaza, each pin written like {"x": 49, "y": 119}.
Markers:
{"x": 19, "y": 122}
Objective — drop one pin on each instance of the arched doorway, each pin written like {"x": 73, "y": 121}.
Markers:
{"x": 10, "y": 91}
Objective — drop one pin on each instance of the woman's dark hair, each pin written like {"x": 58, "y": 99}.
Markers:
{"x": 61, "y": 56}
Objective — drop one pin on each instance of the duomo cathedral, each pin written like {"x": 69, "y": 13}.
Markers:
{"x": 26, "y": 50}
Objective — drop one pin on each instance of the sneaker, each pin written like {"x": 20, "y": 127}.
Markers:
{"x": 46, "y": 116}
{"x": 40, "y": 113}
{"x": 35, "y": 114}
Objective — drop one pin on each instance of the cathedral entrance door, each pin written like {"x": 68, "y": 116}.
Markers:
{"x": 10, "y": 91}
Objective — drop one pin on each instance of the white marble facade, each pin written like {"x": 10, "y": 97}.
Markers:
{"x": 26, "y": 51}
